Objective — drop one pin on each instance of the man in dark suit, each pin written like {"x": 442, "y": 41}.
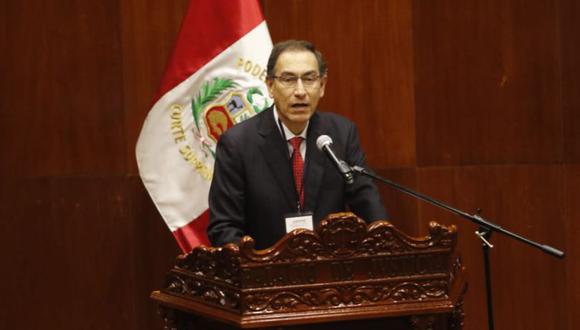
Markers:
{"x": 268, "y": 170}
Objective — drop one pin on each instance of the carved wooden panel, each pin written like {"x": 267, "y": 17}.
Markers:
{"x": 345, "y": 269}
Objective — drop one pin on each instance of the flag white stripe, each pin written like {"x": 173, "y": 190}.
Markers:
{"x": 180, "y": 192}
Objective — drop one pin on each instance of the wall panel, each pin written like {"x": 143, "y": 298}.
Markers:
{"x": 81, "y": 253}
{"x": 572, "y": 230}
{"x": 67, "y": 249}
{"x": 570, "y": 48}
{"x": 401, "y": 208}
{"x": 61, "y": 89}
{"x": 526, "y": 200}
{"x": 154, "y": 252}
{"x": 487, "y": 82}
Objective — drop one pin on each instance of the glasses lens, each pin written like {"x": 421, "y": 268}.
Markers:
{"x": 308, "y": 80}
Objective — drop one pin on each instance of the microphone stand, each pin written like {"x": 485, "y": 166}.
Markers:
{"x": 486, "y": 228}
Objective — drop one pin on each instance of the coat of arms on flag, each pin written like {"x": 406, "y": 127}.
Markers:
{"x": 220, "y": 104}
{"x": 215, "y": 79}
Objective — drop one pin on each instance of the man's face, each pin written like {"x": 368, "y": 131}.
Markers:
{"x": 296, "y": 99}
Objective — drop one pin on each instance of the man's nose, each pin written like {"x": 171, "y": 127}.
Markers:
{"x": 299, "y": 90}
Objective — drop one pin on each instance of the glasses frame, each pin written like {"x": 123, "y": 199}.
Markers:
{"x": 291, "y": 81}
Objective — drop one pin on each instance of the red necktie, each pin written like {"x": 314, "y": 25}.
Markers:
{"x": 297, "y": 167}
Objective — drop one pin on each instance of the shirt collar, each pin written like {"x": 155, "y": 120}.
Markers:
{"x": 288, "y": 133}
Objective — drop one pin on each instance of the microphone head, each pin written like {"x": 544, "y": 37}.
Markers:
{"x": 322, "y": 141}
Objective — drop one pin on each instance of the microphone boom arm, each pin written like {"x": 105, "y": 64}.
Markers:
{"x": 475, "y": 218}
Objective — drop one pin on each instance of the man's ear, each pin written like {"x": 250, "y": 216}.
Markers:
{"x": 323, "y": 80}
{"x": 270, "y": 85}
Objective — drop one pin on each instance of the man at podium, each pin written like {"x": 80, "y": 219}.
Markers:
{"x": 269, "y": 176}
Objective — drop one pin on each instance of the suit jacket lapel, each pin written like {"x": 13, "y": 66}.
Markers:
{"x": 274, "y": 150}
{"x": 314, "y": 170}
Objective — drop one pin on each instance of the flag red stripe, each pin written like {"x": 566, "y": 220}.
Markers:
{"x": 193, "y": 234}
{"x": 208, "y": 28}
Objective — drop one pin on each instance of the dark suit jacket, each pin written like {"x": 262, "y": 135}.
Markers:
{"x": 253, "y": 188}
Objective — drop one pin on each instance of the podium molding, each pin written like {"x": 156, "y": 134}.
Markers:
{"x": 345, "y": 272}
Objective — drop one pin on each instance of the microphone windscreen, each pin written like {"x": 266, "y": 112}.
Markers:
{"x": 322, "y": 141}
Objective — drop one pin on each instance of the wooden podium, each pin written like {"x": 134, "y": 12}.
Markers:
{"x": 344, "y": 275}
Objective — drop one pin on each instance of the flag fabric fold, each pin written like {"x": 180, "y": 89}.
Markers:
{"x": 214, "y": 80}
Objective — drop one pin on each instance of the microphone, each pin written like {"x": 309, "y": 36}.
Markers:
{"x": 323, "y": 143}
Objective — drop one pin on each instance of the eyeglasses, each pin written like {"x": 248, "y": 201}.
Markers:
{"x": 309, "y": 80}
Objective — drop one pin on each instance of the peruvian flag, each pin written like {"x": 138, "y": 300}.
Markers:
{"x": 214, "y": 80}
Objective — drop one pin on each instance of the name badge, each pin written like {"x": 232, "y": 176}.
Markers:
{"x": 298, "y": 220}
